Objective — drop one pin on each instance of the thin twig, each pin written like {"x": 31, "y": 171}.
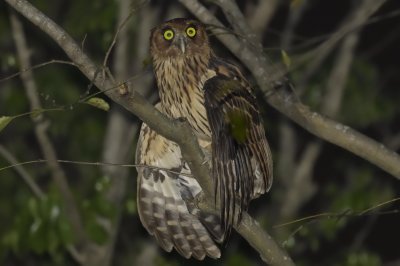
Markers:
{"x": 22, "y": 172}
{"x": 345, "y": 213}
{"x": 17, "y": 164}
{"x": 355, "y": 20}
{"x": 119, "y": 29}
{"x": 53, "y": 61}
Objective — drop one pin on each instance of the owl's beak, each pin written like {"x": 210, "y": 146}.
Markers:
{"x": 181, "y": 43}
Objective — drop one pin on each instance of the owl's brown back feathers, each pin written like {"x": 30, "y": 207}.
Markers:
{"x": 217, "y": 101}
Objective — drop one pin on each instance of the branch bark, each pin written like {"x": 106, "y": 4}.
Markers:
{"x": 282, "y": 98}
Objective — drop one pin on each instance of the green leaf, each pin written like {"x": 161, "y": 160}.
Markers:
{"x": 4, "y": 120}
{"x": 98, "y": 103}
{"x": 286, "y": 59}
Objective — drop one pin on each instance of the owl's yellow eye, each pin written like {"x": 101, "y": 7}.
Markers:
{"x": 168, "y": 35}
{"x": 191, "y": 32}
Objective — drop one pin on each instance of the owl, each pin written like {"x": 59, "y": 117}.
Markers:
{"x": 216, "y": 100}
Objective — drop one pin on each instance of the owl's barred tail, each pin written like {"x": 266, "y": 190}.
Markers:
{"x": 165, "y": 215}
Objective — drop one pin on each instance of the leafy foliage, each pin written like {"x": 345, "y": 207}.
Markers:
{"x": 40, "y": 227}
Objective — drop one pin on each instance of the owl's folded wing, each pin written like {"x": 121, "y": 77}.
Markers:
{"x": 242, "y": 165}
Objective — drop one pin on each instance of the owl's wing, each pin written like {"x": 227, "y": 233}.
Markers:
{"x": 161, "y": 200}
{"x": 241, "y": 164}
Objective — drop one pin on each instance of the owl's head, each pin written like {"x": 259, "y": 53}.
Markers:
{"x": 179, "y": 37}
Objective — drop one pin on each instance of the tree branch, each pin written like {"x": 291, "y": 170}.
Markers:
{"x": 261, "y": 241}
{"x": 288, "y": 139}
{"x": 294, "y": 17}
{"x": 120, "y": 130}
{"x": 301, "y": 187}
{"x": 41, "y": 125}
{"x": 232, "y": 12}
{"x": 262, "y": 15}
{"x": 354, "y": 21}
{"x": 286, "y": 102}
{"x": 22, "y": 172}
{"x": 36, "y": 190}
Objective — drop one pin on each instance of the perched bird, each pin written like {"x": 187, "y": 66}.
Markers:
{"x": 218, "y": 103}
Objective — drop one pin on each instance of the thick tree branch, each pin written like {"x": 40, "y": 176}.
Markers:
{"x": 286, "y": 102}
{"x": 261, "y": 241}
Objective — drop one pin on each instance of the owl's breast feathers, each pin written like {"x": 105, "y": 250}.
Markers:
{"x": 180, "y": 82}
